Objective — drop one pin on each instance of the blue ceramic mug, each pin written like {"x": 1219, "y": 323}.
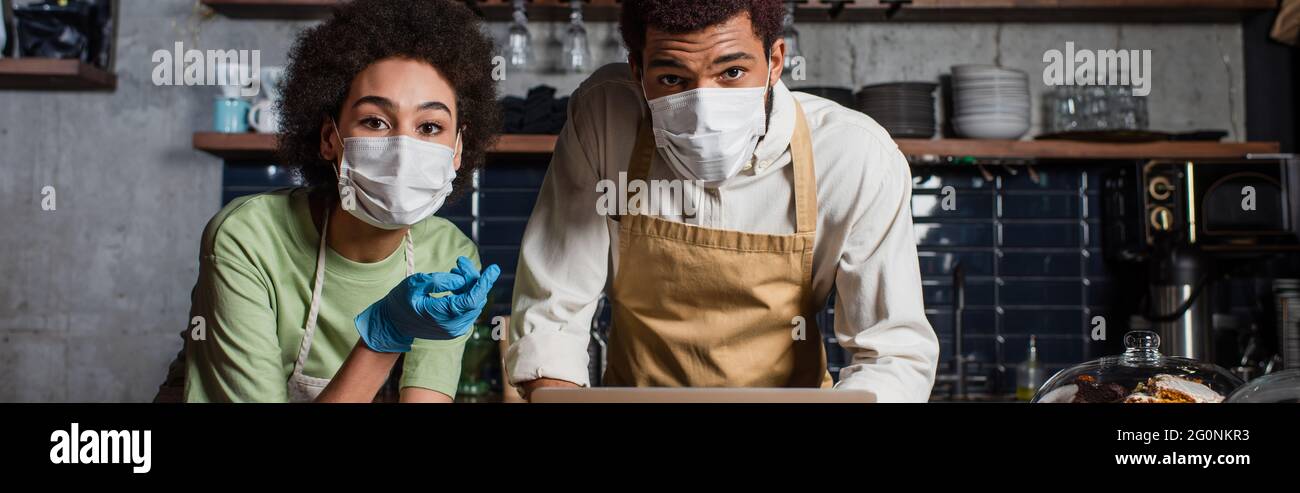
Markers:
{"x": 230, "y": 115}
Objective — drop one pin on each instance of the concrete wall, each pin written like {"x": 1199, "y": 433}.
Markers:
{"x": 93, "y": 294}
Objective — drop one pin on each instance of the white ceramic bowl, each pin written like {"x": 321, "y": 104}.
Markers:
{"x": 976, "y": 93}
{"x": 990, "y": 90}
{"x": 974, "y": 70}
{"x": 979, "y": 127}
{"x": 1015, "y": 104}
{"x": 1005, "y": 106}
{"x": 1001, "y": 115}
{"x": 992, "y": 115}
{"x": 979, "y": 79}
{"x": 1016, "y": 99}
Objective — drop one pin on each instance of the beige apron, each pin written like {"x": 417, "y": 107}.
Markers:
{"x": 303, "y": 388}
{"x": 701, "y": 307}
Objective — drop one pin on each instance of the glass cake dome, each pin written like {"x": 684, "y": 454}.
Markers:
{"x": 1141, "y": 375}
{"x": 1283, "y": 386}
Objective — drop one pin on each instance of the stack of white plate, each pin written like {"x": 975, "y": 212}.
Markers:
{"x": 990, "y": 102}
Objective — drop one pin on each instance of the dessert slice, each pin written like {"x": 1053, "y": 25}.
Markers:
{"x": 1145, "y": 399}
{"x": 1170, "y": 388}
{"x": 1093, "y": 391}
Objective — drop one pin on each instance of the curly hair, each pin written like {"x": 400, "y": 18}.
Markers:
{"x": 685, "y": 16}
{"x": 326, "y": 58}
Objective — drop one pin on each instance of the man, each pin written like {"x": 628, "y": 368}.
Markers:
{"x": 798, "y": 197}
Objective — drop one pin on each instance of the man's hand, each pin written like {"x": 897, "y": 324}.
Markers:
{"x": 527, "y": 388}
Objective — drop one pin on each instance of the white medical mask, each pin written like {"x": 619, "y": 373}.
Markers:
{"x": 396, "y": 181}
{"x": 708, "y": 134}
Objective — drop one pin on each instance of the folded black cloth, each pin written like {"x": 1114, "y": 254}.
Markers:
{"x": 540, "y": 112}
{"x": 77, "y": 29}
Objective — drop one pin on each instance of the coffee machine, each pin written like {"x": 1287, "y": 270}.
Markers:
{"x": 1190, "y": 223}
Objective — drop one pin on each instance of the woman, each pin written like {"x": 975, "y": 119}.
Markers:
{"x": 313, "y": 293}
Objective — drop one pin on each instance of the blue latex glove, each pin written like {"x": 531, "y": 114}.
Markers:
{"x": 408, "y": 312}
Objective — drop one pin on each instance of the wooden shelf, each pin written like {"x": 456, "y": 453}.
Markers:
{"x": 252, "y": 146}
{"x": 538, "y": 10}
{"x": 245, "y": 146}
{"x": 54, "y": 74}
{"x": 1040, "y": 10}
{"x": 826, "y": 10}
{"x": 258, "y": 146}
{"x": 1071, "y": 150}
{"x": 272, "y": 9}
{"x": 524, "y": 144}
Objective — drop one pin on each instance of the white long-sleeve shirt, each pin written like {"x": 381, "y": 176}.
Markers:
{"x": 865, "y": 246}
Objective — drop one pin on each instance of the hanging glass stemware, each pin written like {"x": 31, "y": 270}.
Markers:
{"x": 577, "y": 53}
{"x": 791, "y": 36}
{"x": 614, "y": 51}
{"x": 519, "y": 43}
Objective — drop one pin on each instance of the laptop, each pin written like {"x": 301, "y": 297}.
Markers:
{"x": 698, "y": 395}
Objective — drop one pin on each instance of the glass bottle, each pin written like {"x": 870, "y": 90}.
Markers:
{"x": 1029, "y": 373}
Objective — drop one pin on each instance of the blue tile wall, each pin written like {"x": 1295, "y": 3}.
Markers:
{"x": 508, "y": 190}
{"x": 1028, "y": 244}
{"x": 1033, "y": 262}
{"x": 240, "y": 178}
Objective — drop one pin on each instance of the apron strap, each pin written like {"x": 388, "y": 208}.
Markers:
{"x": 410, "y": 253}
{"x": 805, "y": 174}
{"x": 309, "y": 330}
{"x": 638, "y": 166}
